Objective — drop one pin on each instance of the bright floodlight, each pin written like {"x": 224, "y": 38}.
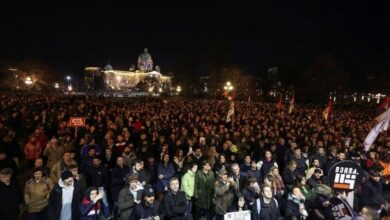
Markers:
{"x": 68, "y": 78}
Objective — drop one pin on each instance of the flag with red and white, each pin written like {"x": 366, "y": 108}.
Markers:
{"x": 230, "y": 113}
{"x": 381, "y": 123}
{"x": 292, "y": 104}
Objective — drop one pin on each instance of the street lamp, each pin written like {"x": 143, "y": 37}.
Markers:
{"x": 178, "y": 89}
{"x": 228, "y": 86}
{"x": 56, "y": 85}
{"x": 28, "y": 81}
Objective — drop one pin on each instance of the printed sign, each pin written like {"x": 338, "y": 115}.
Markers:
{"x": 341, "y": 210}
{"x": 345, "y": 176}
{"x": 77, "y": 122}
{"x": 244, "y": 215}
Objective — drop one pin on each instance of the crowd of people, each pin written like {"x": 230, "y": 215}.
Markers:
{"x": 179, "y": 159}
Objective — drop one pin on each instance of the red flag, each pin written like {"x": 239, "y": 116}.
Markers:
{"x": 280, "y": 106}
{"x": 328, "y": 110}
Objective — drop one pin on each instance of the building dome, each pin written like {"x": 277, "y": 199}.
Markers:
{"x": 108, "y": 67}
{"x": 145, "y": 61}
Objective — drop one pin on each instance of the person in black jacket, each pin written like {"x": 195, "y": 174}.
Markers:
{"x": 118, "y": 177}
{"x": 265, "y": 207}
{"x": 10, "y": 196}
{"x": 372, "y": 194}
{"x": 65, "y": 198}
{"x": 98, "y": 174}
{"x": 149, "y": 208}
{"x": 175, "y": 202}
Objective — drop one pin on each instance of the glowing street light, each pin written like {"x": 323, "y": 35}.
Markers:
{"x": 150, "y": 89}
{"x": 178, "y": 89}
{"x": 56, "y": 85}
{"x": 28, "y": 81}
{"x": 160, "y": 89}
{"x": 70, "y": 88}
{"x": 228, "y": 87}
{"x": 68, "y": 78}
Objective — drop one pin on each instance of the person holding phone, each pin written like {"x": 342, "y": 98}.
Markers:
{"x": 92, "y": 206}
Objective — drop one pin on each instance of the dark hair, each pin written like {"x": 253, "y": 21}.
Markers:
{"x": 204, "y": 162}
{"x": 37, "y": 169}
{"x": 173, "y": 179}
{"x": 6, "y": 171}
{"x": 97, "y": 157}
{"x": 72, "y": 166}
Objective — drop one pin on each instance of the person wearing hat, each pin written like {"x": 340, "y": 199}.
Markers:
{"x": 149, "y": 208}
{"x": 65, "y": 198}
{"x": 129, "y": 196}
{"x": 224, "y": 191}
{"x": 372, "y": 193}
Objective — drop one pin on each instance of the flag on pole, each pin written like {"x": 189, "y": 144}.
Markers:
{"x": 230, "y": 112}
{"x": 328, "y": 110}
{"x": 280, "y": 105}
{"x": 382, "y": 108}
{"x": 292, "y": 103}
{"x": 381, "y": 121}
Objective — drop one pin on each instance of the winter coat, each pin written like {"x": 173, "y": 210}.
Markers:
{"x": 53, "y": 155}
{"x": 55, "y": 200}
{"x": 92, "y": 211}
{"x": 204, "y": 189}
{"x": 142, "y": 211}
{"x": 249, "y": 195}
{"x": 223, "y": 196}
{"x": 57, "y": 169}
{"x": 292, "y": 207}
{"x": 167, "y": 171}
{"x": 126, "y": 202}
{"x": 10, "y": 201}
{"x": 118, "y": 180}
{"x": 98, "y": 176}
{"x": 372, "y": 194}
{"x": 176, "y": 206}
{"x": 269, "y": 211}
{"x": 256, "y": 174}
{"x": 36, "y": 194}
{"x": 188, "y": 184}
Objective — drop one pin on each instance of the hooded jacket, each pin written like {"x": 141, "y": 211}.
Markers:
{"x": 55, "y": 200}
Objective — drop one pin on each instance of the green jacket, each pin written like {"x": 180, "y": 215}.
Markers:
{"x": 188, "y": 184}
{"x": 224, "y": 196}
{"x": 204, "y": 189}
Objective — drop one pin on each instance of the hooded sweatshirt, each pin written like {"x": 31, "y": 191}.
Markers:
{"x": 67, "y": 197}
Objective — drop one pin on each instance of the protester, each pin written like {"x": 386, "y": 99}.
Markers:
{"x": 175, "y": 202}
{"x": 36, "y": 195}
{"x": 149, "y": 208}
{"x": 10, "y": 195}
{"x": 65, "y": 198}
{"x": 265, "y": 207}
{"x": 92, "y": 206}
{"x": 204, "y": 192}
{"x": 129, "y": 196}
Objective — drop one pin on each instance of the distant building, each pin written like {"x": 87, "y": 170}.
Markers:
{"x": 126, "y": 80}
{"x": 142, "y": 78}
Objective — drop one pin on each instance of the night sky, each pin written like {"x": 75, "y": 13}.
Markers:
{"x": 256, "y": 34}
